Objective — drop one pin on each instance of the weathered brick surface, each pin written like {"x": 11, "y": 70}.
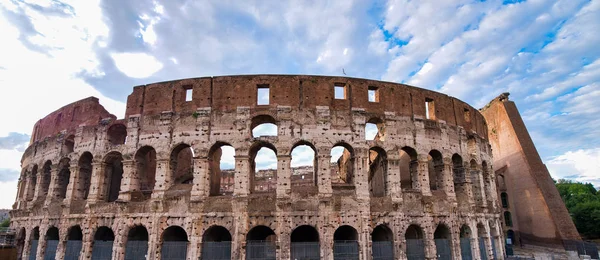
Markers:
{"x": 159, "y": 124}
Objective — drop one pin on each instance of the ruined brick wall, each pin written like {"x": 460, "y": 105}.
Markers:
{"x": 164, "y": 137}
{"x": 539, "y": 215}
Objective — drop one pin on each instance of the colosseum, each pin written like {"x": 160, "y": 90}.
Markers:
{"x": 395, "y": 172}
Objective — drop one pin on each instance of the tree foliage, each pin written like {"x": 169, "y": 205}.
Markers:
{"x": 5, "y": 223}
{"x": 583, "y": 202}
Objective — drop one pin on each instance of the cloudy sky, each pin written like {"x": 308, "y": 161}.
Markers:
{"x": 545, "y": 53}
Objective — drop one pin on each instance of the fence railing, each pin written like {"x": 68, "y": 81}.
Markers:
{"x": 415, "y": 249}
{"x": 305, "y": 250}
{"x": 260, "y": 250}
{"x": 383, "y": 250}
{"x": 443, "y": 249}
{"x": 216, "y": 250}
{"x": 582, "y": 248}
{"x": 465, "y": 248}
{"x": 102, "y": 250}
{"x": 345, "y": 250}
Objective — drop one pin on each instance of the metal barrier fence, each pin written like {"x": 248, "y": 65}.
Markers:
{"x": 582, "y": 248}
{"x": 136, "y": 250}
{"x": 216, "y": 250}
{"x": 102, "y": 250}
{"x": 482, "y": 251}
{"x": 305, "y": 250}
{"x": 383, "y": 250}
{"x": 50, "y": 253}
{"x": 345, "y": 250}
{"x": 443, "y": 249}
{"x": 33, "y": 249}
{"x": 173, "y": 250}
{"x": 73, "y": 250}
{"x": 415, "y": 249}
{"x": 260, "y": 250}
{"x": 494, "y": 248}
{"x": 465, "y": 248}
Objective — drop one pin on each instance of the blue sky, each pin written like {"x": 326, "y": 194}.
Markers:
{"x": 545, "y": 53}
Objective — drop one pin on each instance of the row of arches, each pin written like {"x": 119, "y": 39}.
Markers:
{"x": 261, "y": 243}
{"x": 263, "y": 166}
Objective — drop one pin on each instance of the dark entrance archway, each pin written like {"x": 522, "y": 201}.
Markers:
{"x": 103, "y": 244}
{"x": 35, "y": 238}
{"x": 305, "y": 243}
{"x": 465, "y": 243}
{"x": 383, "y": 243}
{"x": 73, "y": 248}
{"x": 51, "y": 243}
{"x": 137, "y": 244}
{"x": 260, "y": 243}
{"x": 443, "y": 242}
{"x": 216, "y": 244}
{"x": 175, "y": 244}
{"x": 415, "y": 248}
{"x": 345, "y": 243}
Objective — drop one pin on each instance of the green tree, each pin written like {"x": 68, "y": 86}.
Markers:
{"x": 5, "y": 223}
{"x": 583, "y": 202}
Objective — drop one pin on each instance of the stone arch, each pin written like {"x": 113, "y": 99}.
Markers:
{"x": 487, "y": 182}
{"x": 221, "y": 179}
{"x": 216, "y": 243}
{"x": 409, "y": 164}
{"x": 303, "y": 173}
{"x": 116, "y": 134}
{"x": 465, "y": 242}
{"x": 342, "y": 166}
{"x": 504, "y": 199}
{"x": 415, "y": 246}
{"x": 482, "y": 236}
{"x": 64, "y": 175}
{"x": 68, "y": 145}
{"x": 137, "y": 242}
{"x": 174, "y": 243}
{"x": 261, "y": 243}
{"x": 377, "y": 172}
{"x": 145, "y": 166}
{"x": 508, "y": 218}
{"x": 436, "y": 170}
{"x": 102, "y": 246}
{"x": 32, "y": 180}
{"x": 305, "y": 243}
{"x": 263, "y": 125}
{"x": 476, "y": 181}
{"x": 52, "y": 240}
{"x": 20, "y": 240}
{"x": 382, "y": 239}
{"x": 45, "y": 180}
{"x": 375, "y": 129}
{"x": 263, "y": 180}
{"x": 443, "y": 241}
{"x": 113, "y": 174}
{"x": 34, "y": 241}
{"x": 74, "y": 243}
{"x": 84, "y": 176}
{"x": 181, "y": 164}
{"x": 345, "y": 242}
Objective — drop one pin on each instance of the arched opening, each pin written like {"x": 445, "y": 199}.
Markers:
{"x": 20, "y": 241}
{"x": 409, "y": 164}
{"x": 487, "y": 183}
{"x": 443, "y": 242}
{"x": 145, "y": 165}
{"x": 260, "y": 243}
{"x": 495, "y": 239}
{"x": 45, "y": 180}
{"x": 263, "y": 125}
{"x": 117, "y": 134}
{"x": 137, "y": 243}
{"x": 32, "y": 179}
{"x": 113, "y": 173}
{"x": 504, "y": 199}
{"x": 482, "y": 235}
{"x": 51, "y": 243}
{"x": 342, "y": 164}
{"x": 263, "y": 168}
{"x": 507, "y": 219}
{"x": 216, "y": 243}
{"x": 35, "y": 238}
{"x": 465, "y": 243}
{"x": 415, "y": 248}
{"x": 377, "y": 172}
{"x": 103, "y": 243}
{"x": 221, "y": 163}
{"x": 501, "y": 182}
{"x": 303, "y": 165}
{"x": 174, "y": 244}
{"x": 436, "y": 170}
{"x": 73, "y": 248}
{"x": 383, "y": 243}
{"x": 83, "y": 183}
{"x": 510, "y": 235}
{"x": 375, "y": 129}
{"x": 345, "y": 243}
{"x": 476, "y": 183}
{"x": 64, "y": 175}
{"x": 68, "y": 145}
{"x": 182, "y": 170}
{"x": 305, "y": 243}
{"x": 460, "y": 181}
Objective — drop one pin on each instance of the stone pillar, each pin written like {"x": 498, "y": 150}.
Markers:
{"x": 469, "y": 184}
{"x": 455, "y": 241}
{"x": 284, "y": 173}
{"x": 20, "y": 199}
{"x": 323, "y": 173}
{"x": 242, "y": 176}
{"x": 163, "y": 179}
{"x": 423, "y": 171}
{"x": 120, "y": 243}
{"x": 153, "y": 241}
{"x": 488, "y": 242}
{"x": 54, "y": 189}
{"x": 29, "y": 189}
{"x": 41, "y": 248}
{"x": 27, "y": 244}
{"x": 87, "y": 243}
{"x": 449, "y": 180}
{"x": 62, "y": 244}
{"x": 98, "y": 183}
{"x": 201, "y": 180}
{"x": 394, "y": 189}
{"x": 130, "y": 181}
{"x": 38, "y": 193}
{"x": 430, "y": 250}
{"x": 72, "y": 186}
{"x": 361, "y": 173}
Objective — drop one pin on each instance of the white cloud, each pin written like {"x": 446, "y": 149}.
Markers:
{"x": 8, "y": 193}
{"x": 302, "y": 155}
{"x": 266, "y": 129}
{"x": 265, "y": 159}
{"x": 584, "y": 164}
{"x": 227, "y": 157}
{"x": 136, "y": 65}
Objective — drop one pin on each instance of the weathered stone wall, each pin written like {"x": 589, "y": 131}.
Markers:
{"x": 538, "y": 213}
{"x": 160, "y": 126}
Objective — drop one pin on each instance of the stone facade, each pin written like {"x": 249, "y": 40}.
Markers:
{"x": 426, "y": 176}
